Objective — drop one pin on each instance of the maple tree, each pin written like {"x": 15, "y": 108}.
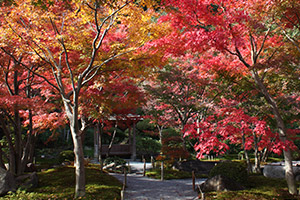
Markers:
{"x": 178, "y": 94}
{"x": 112, "y": 104}
{"x": 24, "y": 112}
{"x": 231, "y": 125}
{"x": 78, "y": 41}
{"x": 241, "y": 37}
{"x": 286, "y": 14}
{"x": 116, "y": 96}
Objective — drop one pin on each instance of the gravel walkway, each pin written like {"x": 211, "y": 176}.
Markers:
{"x": 143, "y": 188}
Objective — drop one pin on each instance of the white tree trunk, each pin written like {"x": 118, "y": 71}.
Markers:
{"x": 78, "y": 162}
{"x": 72, "y": 113}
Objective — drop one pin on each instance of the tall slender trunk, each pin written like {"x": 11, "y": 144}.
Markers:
{"x": 72, "y": 113}
{"x": 100, "y": 134}
{"x": 160, "y": 129}
{"x": 18, "y": 144}
{"x": 112, "y": 140}
{"x": 264, "y": 157}
{"x": 256, "y": 155}
{"x": 289, "y": 175}
{"x": 79, "y": 161}
{"x": 133, "y": 156}
{"x": 1, "y": 158}
{"x": 11, "y": 156}
{"x": 29, "y": 146}
{"x": 249, "y": 165}
{"x": 96, "y": 142}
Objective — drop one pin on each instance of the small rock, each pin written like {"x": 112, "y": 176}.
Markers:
{"x": 220, "y": 183}
{"x": 30, "y": 167}
{"x": 7, "y": 182}
{"x": 28, "y": 181}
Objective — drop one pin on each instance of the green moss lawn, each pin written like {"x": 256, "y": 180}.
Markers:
{"x": 59, "y": 183}
{"x": 258, "y": 187}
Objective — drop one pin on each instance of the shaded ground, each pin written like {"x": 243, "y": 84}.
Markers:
{"x": 143, "y": 188}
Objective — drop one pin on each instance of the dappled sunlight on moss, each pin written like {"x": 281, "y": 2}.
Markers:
{"x": 59, "y": 184}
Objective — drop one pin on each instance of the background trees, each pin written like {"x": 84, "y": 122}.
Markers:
{"x": 25, "y": 111}
{"x": 240, "y": 41}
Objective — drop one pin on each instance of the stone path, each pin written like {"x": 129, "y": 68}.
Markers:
{"x": 143, "y": 188}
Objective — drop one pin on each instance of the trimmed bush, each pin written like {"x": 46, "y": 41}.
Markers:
{"x": 67, "y": 155}
{"x": 116, "y": 160}
{"x": 234, "y": 170}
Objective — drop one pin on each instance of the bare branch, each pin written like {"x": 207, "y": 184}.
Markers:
{"x": 253, "y": 49}
{"x": 43, "y": 77}
{"x": 6, "y": 78}
{"x": 294, "y": 42}
{"x": 54, "y": 26}
{"x": 95, "y": 48}
{"x": 35, "y": 51}
{"x": 232, "y": 53}
{"x": 241, "y": 58}
{"x": 87, "y": 78}
{"x": 62, "y": 24}
{"x": 263, "y": 43}
{"x": 68, "y": 64}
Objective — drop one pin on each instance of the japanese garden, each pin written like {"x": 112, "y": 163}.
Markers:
{"x": 98, "y": 94}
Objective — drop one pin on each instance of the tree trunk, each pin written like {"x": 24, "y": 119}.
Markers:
{"x": 133, "y": 156}
{"x": 12, "y": 154}
{"x": 265, "y": 155}
{"x": 100, "y": 133}
{"x": 160, "y": 129}
{"x": 72, "y": 113}
{"x": 1, "y": 158}
{"x": 256, "y": 156}
{"x": 29, "y": 146}
{"x": 249, "y": 165}
{"x": 32, "y": 148}
{"x": 18, "y": 144}
{"x": 112, "y": 140}
{"x": 96, "y": 142}
{"x": 289, "y": 175}
{"x": 79, "y": 162}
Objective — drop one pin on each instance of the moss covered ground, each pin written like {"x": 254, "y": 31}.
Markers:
{"x": 59, "y": 184}
{"x": 258, "y": 187}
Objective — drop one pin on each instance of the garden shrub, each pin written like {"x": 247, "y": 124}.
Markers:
{"x": 234, "y": 170}
{"x": 172, "y": 146}
{"x": 147, "y": 146}
{"x": 67, "y": 155}
{"x": 116, "y": 160}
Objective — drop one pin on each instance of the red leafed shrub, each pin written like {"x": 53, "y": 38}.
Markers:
{"x": 173, "y": 149}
